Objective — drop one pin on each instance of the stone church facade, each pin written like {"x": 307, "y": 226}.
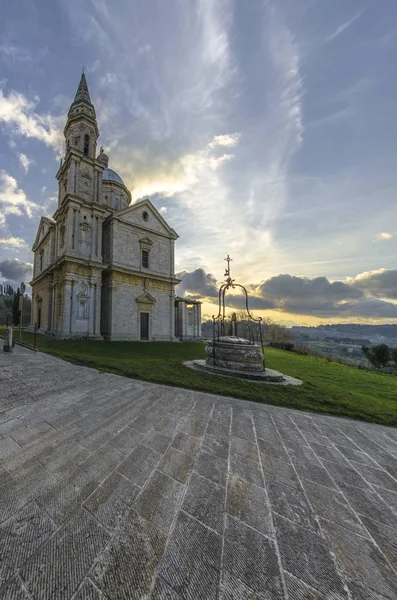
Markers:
{"x": 103, "y": 267}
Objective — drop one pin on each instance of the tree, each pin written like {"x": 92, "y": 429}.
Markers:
{"x": 16, "y": 313}
{"x": 378, "y": 355}
{"x": 393, "y": 354}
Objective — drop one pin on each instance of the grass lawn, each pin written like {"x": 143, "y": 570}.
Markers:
{"x": 328, "y": 387}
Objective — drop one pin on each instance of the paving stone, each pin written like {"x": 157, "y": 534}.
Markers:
{"x": 138, "y": 465}
{"x": 58, "y": 568}
{"x": 385, "y": 537}
{"x": 159, "y": 500}
{"x": 14, "y": 590}
{"x": 270, "y": 436}
{"x": 157, "y": 441}
{"x": 234, "y": 589}
{"x": 389, "y": 497}
{"x": 125, "y": 569}
{"x": 102, "y": 462}
{"x": 5, "y": 475}
{"x": 297, "y": 590}
{"x": 21, "y": 490}
{"x": 308, "y": 470}
{"x": 243, "y": 428}
{"x": 279, "y": 470}
{"x": 245, "y": 448}
{"x": 272, "y": 449}
{"x": 215, "y": 446}
{"x": 341, "y": 473}
{"x": 356, "y": 455}
{"x": 111, "y": 500}
{"x": 331, "y": 505}
{"x": 359, "y": 593}
{"x": 177, "y": 464}
{"x": 339, "y": 438}
{"x": 192, "y": 561}
{"x": 305, "y": 556}
{"x": 167, "y": 426}
{"x": 212, "y": 467}
{"x": 299, "y": 452}
{"x": 66, "y": 495}
{"x": 375, "y": 476}
{"x": 194, "y": 427}
{"x": 251, "y": 557}
{"x": 368, "y": 504}
{"x": 316, "y": 438}
{"x": 218, "y": 429}
{"x": 186, "y": 443}
{"x": 292, "y": 438}
{"x": 127, "y": 439}
{"x": 248, "y": 502}
{"x": 21, "y": 536}
{"x": 329, "y": 453}
{"x": 64, "y": 458}
{"x": 8, "y": 446}
{"x": 95, "y": 438}
{"x": 88, "y": 592}
{"x": 205, "y": 500}
{"x": 360, "y": 560}
{"x": 247, "y": 469}
{"x": 162, "y": 591}
{"x": 290, "y": 502}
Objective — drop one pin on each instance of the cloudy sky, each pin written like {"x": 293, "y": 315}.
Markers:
{"x": 265, "y": 129}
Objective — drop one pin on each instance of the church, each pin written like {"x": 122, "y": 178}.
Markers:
{"x": 103, "y": 267}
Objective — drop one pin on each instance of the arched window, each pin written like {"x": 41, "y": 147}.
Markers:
{"x": 86, "y": 144}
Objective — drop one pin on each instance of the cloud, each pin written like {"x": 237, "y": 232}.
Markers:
{"x": 18, "y": 115}
{"x": 25, "y": 161}
{"x": 144, "y": 49}
{"x": 381, "y": 283}
{"x": 197, "y": 283}
{"x": 15, "y": 53}
{"x": 13, "y": 200}
{"x": 360, "y": 297}
{"x": 343, "y": 27}
{"x": 15, "y": 270}
{"x": 229, "y": 140}
{"x": 108, "y": 79}
{"x": 384, "y": 235}
{"x": 13, "y": 242}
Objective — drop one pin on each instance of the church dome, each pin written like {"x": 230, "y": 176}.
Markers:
{"x": 110, "y": 175}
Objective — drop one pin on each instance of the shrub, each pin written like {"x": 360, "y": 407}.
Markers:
{"x": 283, "y": 345}
{"x": 378, "y": 356}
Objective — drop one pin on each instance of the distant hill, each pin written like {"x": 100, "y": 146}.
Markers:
{"x": 374, "y": 333}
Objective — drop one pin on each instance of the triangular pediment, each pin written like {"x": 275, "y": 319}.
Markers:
{"x": 145, "y": 215}
{"x": 45, "y": 226}
{"x": 145, "y": 298}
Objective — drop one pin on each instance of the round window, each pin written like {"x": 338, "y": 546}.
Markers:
{"x": 145, "y": 215}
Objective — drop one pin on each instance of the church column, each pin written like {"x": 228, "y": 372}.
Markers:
{"x": 199, "y": 319}
{"x": 71, "y": 177}
{"x": 67, "y": 307}
{"x": 97, "y": 319}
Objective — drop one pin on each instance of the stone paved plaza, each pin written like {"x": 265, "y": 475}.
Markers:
{"x": 111, "y": 488}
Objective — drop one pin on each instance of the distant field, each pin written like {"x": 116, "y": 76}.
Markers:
{"x": 328, "y": 387}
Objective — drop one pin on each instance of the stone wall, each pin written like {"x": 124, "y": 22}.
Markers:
{"x": 124, "y": 323}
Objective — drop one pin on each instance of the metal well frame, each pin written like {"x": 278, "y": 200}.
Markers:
{"x": 218, "y": 321}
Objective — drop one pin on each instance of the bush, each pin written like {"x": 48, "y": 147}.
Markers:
{"x": 283, "y": 345}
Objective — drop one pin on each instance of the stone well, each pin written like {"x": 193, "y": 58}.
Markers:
{"x": 235, "y": 353}
{"x": 236, "y": 357}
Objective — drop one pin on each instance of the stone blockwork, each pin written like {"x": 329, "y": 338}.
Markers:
{"x": 112, "y": 488}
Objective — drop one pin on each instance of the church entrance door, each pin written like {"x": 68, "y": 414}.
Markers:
{"x": 144, "y": 326}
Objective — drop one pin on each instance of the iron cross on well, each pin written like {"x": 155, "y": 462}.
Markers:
{"x": 228, "y": 260}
